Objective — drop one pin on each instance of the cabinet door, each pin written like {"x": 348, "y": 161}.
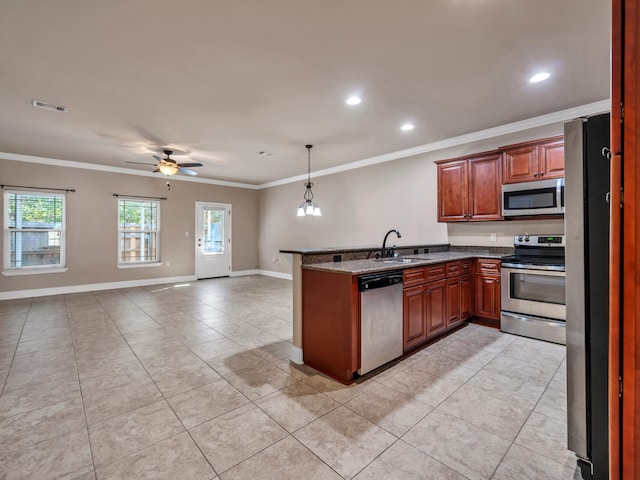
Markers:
{"x": 453, "y": 300}
{"x": 551, "y": 159}
{"x": 520, "y": 164}
{"x": 453, "y": 192}
{"x": 436, "y": 307}
{"x": 488, "y": 296}
{"x": 485, "y": 188}
{"x": 466, "y": 297}
{"x": 414, "y": 315}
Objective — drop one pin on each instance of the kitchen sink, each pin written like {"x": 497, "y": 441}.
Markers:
{"x": 398, "y": 260}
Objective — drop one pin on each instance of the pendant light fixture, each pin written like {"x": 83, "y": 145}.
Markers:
{"x": 309, "y": 207}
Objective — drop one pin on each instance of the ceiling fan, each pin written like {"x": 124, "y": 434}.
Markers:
{"x": 168, "y": 166}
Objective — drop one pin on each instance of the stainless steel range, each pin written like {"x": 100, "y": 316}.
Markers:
{"x": 534, "y": 288}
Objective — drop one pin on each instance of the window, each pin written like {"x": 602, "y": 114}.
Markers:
{"x": 213, "y": 230}
{"x": 34, "y": 225}
{"x": 138, "y": 231}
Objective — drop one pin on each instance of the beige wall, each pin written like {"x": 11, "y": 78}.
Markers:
{"x": 92, "y": 224}
{"x": 359, "y": 206}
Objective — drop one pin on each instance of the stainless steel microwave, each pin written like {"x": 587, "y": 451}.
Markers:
{"x": 542, "y": 197}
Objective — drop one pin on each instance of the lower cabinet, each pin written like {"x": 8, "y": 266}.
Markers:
{"x": 435, "y": 295}
{"x": 488, "y": 289}
{"x": 414, "y": 314}
{"x": 460, "y": 301}
{"x": 436, "y": 298}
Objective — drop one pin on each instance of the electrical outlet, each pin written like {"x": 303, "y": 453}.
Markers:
{"x": 494, "y": 237}
{"x": 168, "y": 263}
{"x": 186, "y": 234}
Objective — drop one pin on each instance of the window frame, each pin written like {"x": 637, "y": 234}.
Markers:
{"x": 8, "y": 269}
{"x": 141, "y": 263}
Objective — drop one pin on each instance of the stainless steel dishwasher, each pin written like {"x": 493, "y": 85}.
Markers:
{"x": 380, "y": 319}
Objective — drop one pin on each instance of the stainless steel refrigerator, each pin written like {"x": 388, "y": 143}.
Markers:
{"x": 587, "y": 270}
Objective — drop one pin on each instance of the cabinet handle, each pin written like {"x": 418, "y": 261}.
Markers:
{"x": 542, "y": 174}
{"x": 535, "y": 174}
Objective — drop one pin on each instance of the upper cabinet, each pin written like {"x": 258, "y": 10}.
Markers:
{"x": 531, "y": 161}
{"x": 469, "y": 188}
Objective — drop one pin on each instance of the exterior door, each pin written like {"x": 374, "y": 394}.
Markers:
{"x": 213, "y": 240}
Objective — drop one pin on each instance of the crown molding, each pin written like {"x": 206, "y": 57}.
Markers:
{"x": 534, "y": 122}
{"x": 127, "y": 171}
{"x": 540, "y": 121}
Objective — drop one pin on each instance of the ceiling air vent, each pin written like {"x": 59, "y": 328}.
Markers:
{"x": 48, "y": 106}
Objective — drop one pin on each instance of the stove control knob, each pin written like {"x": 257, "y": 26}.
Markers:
{"x": 526, "y": 238}
{"x": 519, "y": 238}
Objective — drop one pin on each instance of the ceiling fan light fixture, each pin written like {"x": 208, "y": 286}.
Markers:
{"x": 308, "y": 206}
{"x": 168, "y": 169}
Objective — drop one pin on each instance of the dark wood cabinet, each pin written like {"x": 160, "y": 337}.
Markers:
{"x": 453, "y": 191}
{"x": 485, "y": 188}
{"x": 551, "y": 158}
{"x": 469, "y": 189}
{"x": 531, "y": 161}
{"x": 467, "y": 300}
{"x": 436, "y": 307}
{"x": 331, "y": 328}
{"x": 460, "y": 301}
{"x": 487, "y": 289}
{"x": 425, "y": 303}
{"x": 414, "y": 315}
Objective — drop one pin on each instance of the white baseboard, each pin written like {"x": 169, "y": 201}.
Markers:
{"x": 41, "y": 292}
{"x": 296, "y": 355}
{"x": 242, "y": 273}
{"x": 270, "y": 273}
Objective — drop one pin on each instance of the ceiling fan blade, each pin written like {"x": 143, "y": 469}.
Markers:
{"x": 156, "y": 170}
{"x": 192, "y": 164}
{"x": 141, "y": 163}
{"x": 187, "y": 171}
{"x": 158, "y": 158}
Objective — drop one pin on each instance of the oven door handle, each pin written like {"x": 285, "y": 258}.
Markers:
{"x": 529, "y": 266}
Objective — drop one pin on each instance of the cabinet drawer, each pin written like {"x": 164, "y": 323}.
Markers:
{"x": 436, "y": 272}
{"x": 488, "y": 266}
{"x": 414, "y": 276}
{"x": 453, "y": 269}
{"x": 465, "y": 267}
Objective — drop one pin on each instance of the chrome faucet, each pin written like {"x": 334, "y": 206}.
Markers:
{"x": 385, "y": 252}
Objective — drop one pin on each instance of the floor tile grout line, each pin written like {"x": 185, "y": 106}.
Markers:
{"x": 513, "y": 442}
{"x": 164, "y": 399}
{"x": 15, "y": 351}
{"x": 84, "y": 411}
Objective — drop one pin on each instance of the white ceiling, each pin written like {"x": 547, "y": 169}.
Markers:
{"x": 226, "y": 79}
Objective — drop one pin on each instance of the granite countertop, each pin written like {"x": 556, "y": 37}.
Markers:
{"x": 330, "y": 250}
{"x": 358, "y": 267}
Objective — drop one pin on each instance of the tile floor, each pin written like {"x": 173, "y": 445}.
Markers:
{"x": 193, "y": 382}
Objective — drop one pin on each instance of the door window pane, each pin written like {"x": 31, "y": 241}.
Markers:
{"x": 213, "y": 230}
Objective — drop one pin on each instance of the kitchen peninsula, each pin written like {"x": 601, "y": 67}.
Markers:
{"x": 442, "y": 286}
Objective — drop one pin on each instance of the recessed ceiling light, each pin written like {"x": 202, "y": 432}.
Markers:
{"x": 265, "y": 153}
{"x": 539, "y": 77}
{"x": 353, "y": 100}
{"x": 406, "y": 127}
